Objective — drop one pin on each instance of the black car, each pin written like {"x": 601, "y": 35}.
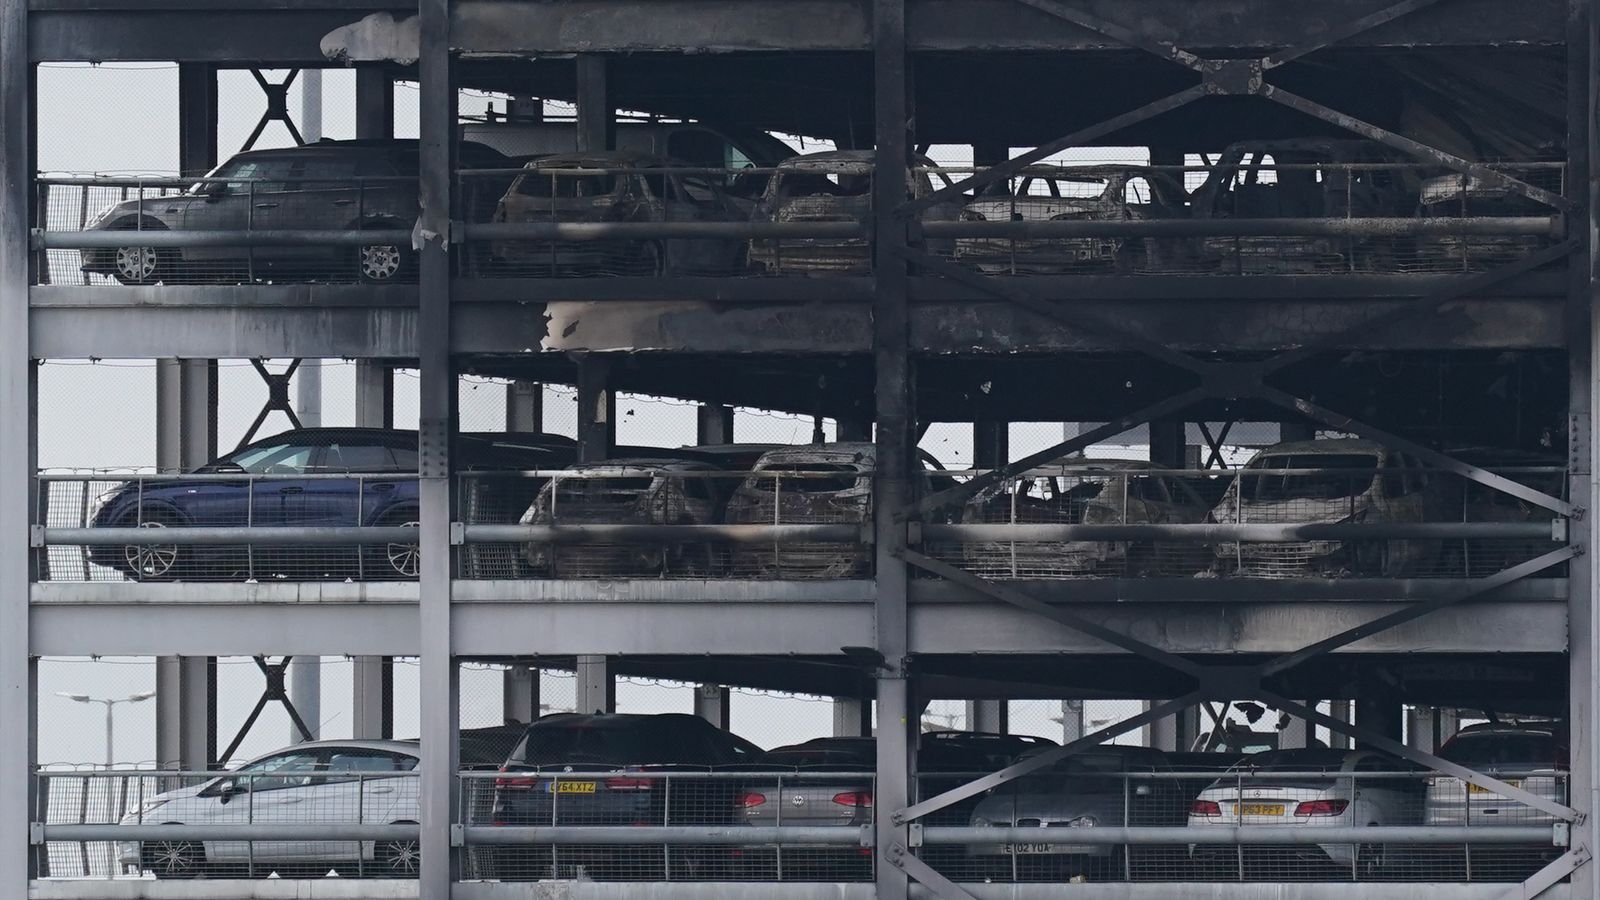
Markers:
{"x": 308, "y": 492}
{"x": 329, "y": 185}
{"x": 616, "y": 770}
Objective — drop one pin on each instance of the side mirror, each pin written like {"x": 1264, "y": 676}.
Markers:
{"x": 1142, "y": 790}
{"x": 227, "y": 790}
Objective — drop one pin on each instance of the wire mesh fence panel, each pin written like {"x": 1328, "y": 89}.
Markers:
{"x": 89, "y": 507}
{"x": 258, "y": 822}
{"x": 1312, "y": 499}
{"x": 289, "y": 216}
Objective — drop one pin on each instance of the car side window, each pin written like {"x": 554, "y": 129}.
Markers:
{"x": 326, "y": 173}
{"x": 264, "y": 175}
{"x": 274, "y": 459}
{"x": 286, "y": 770}
{"x": 347, "y": 764}
{"x": 338, "y": 457}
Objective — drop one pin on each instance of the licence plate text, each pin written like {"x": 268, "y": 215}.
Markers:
{"x": 1261, "y": 809}
{"x": 1017, "y": 849}
{"x": 1479, "y": 789}
{"x": 571, "y": 787}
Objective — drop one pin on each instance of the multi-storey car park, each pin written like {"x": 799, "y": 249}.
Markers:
{"x": 1427, "y": 292}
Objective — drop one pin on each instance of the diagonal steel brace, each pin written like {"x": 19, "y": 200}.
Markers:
{"x": 1549, "y": 876}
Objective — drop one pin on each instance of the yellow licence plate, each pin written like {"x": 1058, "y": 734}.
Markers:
{"x": 572, "y": 787}
{"x": 1261, "y": 809}
{"x": 1479, "y": 789}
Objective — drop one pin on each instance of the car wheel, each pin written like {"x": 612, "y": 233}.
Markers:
{"x": 136, "y": 265}
{"x": 153, "y": 562}
{"x": 395, "y": 560}
{"x": 173, "y": 859}
{"x": 382, "y": 263}
{"x": 398, "y": 859}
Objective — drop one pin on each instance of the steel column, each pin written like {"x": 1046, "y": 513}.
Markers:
{"x": 374, "y": 102}
{"x": 374, "y": 394}
{"x": 197, "y": 118}
{"x": 524, "y": 406}
{"x": 439, "y": 694}
{"x": 712, "y": 703}
{"x": 852, "y": 717}
{"x": 597, "y": 116}
{"x": 597, "y": 410}
{"x": 372, "y": 697}
{"x": 519, "y": 698}
{"x": 992, "y": 716}
{"x": 186, "y": 712}
{"x": 991, "y": 448}
{"x": 596, "y": 689}
{"x": 713, "y": 424}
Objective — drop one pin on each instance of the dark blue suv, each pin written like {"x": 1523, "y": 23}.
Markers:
{"x": 314, "y": 477}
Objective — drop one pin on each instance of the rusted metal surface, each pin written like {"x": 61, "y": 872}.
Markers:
{"x": 824, "y": 483}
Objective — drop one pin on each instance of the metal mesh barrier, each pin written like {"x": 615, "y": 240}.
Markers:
{"x": 294, "y": 814}
{"x": 81, "y": 512}
{"x": 258, "y": 225}
{"x": 1293, "y": 492}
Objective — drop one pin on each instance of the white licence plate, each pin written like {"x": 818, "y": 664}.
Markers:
{"x": 1023, "y": 849}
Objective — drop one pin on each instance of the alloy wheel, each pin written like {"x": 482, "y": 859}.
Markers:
{"x": 136, "y": 264}
{"x": 151, "y": 560}
{"x": 404, "y": 559}
{"x": 380, "y": 262}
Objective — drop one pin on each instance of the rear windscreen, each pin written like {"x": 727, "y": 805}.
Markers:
{"x": 1327, "y": 485}
{"x": 1502, "y": 750}
{"x": 604, "y": 744}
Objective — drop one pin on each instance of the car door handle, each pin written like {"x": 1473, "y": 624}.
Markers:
{"x": 381, "y": 488}
{"x": 292, "y": 490}
{"x": 266, "y": 206}
{"x": 345, "y": 202}
{"x": 380, "y": 790}
{"x": 172, "y": 209}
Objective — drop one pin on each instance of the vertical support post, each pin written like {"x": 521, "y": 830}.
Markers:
{"x": 186, "y": 413}
{"x": 1583, "y": 626}
{"x": 438, "y": 692}
{"x": 596, "y": 689}
{"x": 374, "y": 102}
{"x": 597, "y": 410}
{"x": 854, "y": 430}
{"x": 713, "y": 702}
{"x": 186, "y": 712}
{"x": 1071, "y": 720}
{"x": 852, "y": 717}
{"x": 991, "y": 444}
{"x": 1382, "y": 716}
{"x": 713, "y": 424}
{"x": 597, "y": 116}
{"x": 524, "y": 406}
{"x": 17, "y": 399}
{"x": 1298, "y": 733}
{"x": 1341, "y": 710}
{"x": 991, "y": 716}
{"x": 197, "y": 118}
{"x": 1167, "y": 444}
{"x": 1177, "y": 732}
{"x": 374, "y": 394}
{"x": 519, "y": 694}
{"x": 896, "y": 431}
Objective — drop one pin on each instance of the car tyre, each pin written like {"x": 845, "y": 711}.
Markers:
{"x": 395, "y": 561}
{"x": 399, "y": 859}
{"x": 173, "y": 859}
{"x": 154, "y": 562}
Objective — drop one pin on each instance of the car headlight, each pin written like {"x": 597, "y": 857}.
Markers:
{"x": 1083, "y": 822}
{"x": 151, "y": 805}
{"x": 101, "y": 217}
{"x": 980, "y": 822}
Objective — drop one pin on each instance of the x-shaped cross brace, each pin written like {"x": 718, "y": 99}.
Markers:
{"x": 277, "y": 398}
{"x": 277, "y": 107}
{"x": 274, "y": 690}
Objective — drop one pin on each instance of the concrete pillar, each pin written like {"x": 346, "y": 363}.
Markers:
{"x": 1341, "y": 710}
{"x": 374, "y": 102}
{"x": 1428, "y": 727}
{"x": 1177, "y": 732}
{"x": 1071, "y": 720}
{"x": 520, "y": 694}
{"x": 186, "y": 712}
{"x": 305, "y": 672}
{"x": 524, "y": 406}
{"x": 713, "y": 702}
{"x": 1381, "y": 715}
{"x": 372, "y": 698}
{"x": 596, "y": 687}
{"x": 852, "y": 717}
{"x": 597, "y": 410}
{"x": 197, "y": 118}
{"x": 374, "y": 394}
{"x": 1296, "y": 734}
{"x": 597, "y": 117}
{"x": 713, "y": 424}
{"x": 186, "y": 413}
{"x": 992, "y": 716}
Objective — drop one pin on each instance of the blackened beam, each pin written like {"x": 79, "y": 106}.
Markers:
{"x": 1121, "y": 33}
{"x": 1339, "y": 422}
{"x": 979, "y": 180}
{"x": 1416, "y": 611}
{"x": 1022, "y": 600}
{"x": 925, "y": 875}
{"x": 1046, "y": 759}
{"x": 1158, "y": 410}
{"x": 1414, "y": 148}
{"x": 1348, "y": 30}
{"x": 1538, "y": 226}
{"x": 1388, "y": 745}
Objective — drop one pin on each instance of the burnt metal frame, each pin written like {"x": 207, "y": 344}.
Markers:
{"x": 274, "y": 690}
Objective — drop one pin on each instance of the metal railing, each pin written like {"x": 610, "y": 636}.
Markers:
{"x": 293, "y": 821}
{"x": 568, "y": 219}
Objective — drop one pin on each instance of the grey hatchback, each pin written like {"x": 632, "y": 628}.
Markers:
{"x": 329, "y": 185}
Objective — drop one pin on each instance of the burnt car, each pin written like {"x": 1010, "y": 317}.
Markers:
{"x": 1325, "y": 481}
{"x": 1301, "y": 179}
{"x": 317, "y": 477}
{"x": 1461, "y": 196}
{"x": 834, "y": 187}
{"x": 613, "y": 769}
{"x": 631, "y": 491}
{"x": 616, "y": 186}
{"x": 1085, "y": 492}
{"x": 328, "y": 185}
{"x": 1077, "y": 193}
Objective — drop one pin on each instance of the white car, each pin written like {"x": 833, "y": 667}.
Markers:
{"x": 315, "y": 783}
{"x": 1251, "y": 794}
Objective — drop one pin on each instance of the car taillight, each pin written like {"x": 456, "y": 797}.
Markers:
{"x": 853, "y": 798}
{"x": 516, "y": 782}
{"x": 1321, "y": 808}
{"x": 752, "y": 798}
{"x": 1205, "y": 808}
{"x": 628, "y": 784}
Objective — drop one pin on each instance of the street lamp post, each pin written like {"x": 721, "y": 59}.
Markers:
{"x": 110, "y": 705}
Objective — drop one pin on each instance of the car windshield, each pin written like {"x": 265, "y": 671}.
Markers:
{"x": 1080, "y": 772}
{"x": 806, "y": 478}
{"x": 1502, "y": 749}
{"x": 1328, "y": 485}
{"x": 272, "y": 459}
{"x": 565, "y": 185}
